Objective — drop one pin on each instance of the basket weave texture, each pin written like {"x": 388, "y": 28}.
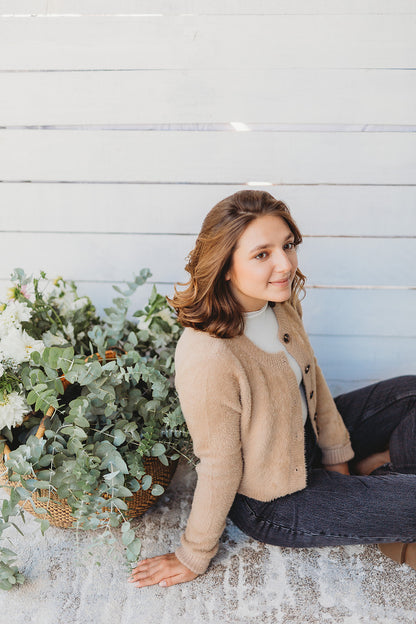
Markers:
{"x": 59, "y": 512}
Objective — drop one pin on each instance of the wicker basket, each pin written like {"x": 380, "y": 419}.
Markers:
{"x": 59, "y": 512}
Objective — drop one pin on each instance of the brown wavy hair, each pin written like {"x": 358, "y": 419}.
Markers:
{"x": 207, "y": 302}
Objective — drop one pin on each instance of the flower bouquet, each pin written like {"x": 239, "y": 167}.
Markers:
{"x": 90, "y": 423}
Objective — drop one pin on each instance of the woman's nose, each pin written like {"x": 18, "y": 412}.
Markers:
{"x": 282, "y": 262}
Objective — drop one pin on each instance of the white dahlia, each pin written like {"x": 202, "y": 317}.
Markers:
{"x": 17, "y": 345}
{"x": 13, "y": 408}
{"x": 13, "y": 315}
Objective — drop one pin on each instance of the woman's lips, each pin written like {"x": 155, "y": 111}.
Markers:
{"x": 283, "y": 282}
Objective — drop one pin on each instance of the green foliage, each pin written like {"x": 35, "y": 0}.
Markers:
{"x": 114, "y": 414}
{"x": 57, "y": 309}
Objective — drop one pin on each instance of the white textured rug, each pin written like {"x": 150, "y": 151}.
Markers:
{"x": 248, "y": 582}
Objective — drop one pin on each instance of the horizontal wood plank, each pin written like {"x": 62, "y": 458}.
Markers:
{"x": 359, "y": 358}
{"x": 203, "y": 42}
{"x": 341, "y": 386}
{"x": 360, "y": 313}
{"x": 202, "y": 7}
{"x": 219, "y": 157}
{"x": 193, "y": 96}
{"x": 180, "y": 209}
{"x": 337, "y": 262}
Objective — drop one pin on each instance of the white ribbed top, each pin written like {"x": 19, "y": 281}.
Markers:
{"x": 262, "y": 329}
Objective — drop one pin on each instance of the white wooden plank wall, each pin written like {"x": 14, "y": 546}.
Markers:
{"x": 123, "y": 123}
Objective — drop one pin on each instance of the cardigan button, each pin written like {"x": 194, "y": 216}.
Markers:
{"x": 286, "y": 338}
{"x": 315, "y": 416}
{"x": 311, "y": 394}
{"x": 307, "y": 368}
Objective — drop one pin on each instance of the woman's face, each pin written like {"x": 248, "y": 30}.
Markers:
{"x": 263, "y": 264}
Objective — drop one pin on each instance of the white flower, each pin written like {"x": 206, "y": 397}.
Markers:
{"x": 65, "y": 303}
{"x": 13, "y": 408}
{"x": 69, "y": 330}
{"x": 15, "y": 313}
{"x": 1, "y": 369}
{"x": 80, "y": 303}
{"x": 58, "y": 339}
{"x": 166, "y": 316}
{"x": 144, "y": 324}
{"x": 54, "y": 340}
{"x": 69, "y": 303}
{"x": 18, "y": 345}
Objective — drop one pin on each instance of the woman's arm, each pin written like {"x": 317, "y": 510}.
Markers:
{"x": 342, "y": 468}
{"x": 209, "y": 396}
{"x": 333, "y": 439}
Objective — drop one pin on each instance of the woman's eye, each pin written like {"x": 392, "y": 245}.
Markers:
{"x": 289, "y": 246}
{"x": 261, "y": 255}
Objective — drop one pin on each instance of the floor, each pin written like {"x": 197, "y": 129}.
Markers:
{"x": 248, "y": 582}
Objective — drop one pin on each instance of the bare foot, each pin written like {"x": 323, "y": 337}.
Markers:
{"x": 368, "y": 464}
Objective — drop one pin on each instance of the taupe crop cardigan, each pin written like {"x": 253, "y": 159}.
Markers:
{"x": 243, "y": 409}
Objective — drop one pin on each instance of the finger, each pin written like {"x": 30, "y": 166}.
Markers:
{"x": 145, "y": 562}
{"x": 173, "y": 580}
{"x": 151, "y": 574}
{"x": 162, "y": 577}
{"x": 144, "y": 571}
{"x": 156, "y": 558}
{"x": 152, "y": 579}
{"x": 141, "y": 564}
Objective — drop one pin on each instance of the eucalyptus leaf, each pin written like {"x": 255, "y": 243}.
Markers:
{"x": 119, "y": 503}
{"x": 163, "y": 460}
{"x": 38, "y": 484}
{"x": 74, "y": 445}
{"x": 35, "y": 357}
{"x": 134, "y": 548}
{"x": 157, "y": 490}
{"x": 44, "y": 475}
{"x": 121, "y": 490}
{"x": 44, "y": 525}
{"x": 111, "y": 475}
{"x": 158, "y": 449}
{"x": 128, "y": 537}
{"x": 74, "y": 431}
{"x": 146, "y": 482}
{"x": 134, "y": 485}
{"x": 119, "y": 437}
{"x": 81, "y": 421}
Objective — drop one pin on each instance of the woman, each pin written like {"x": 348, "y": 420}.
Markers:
{"x": 275, "y": 449}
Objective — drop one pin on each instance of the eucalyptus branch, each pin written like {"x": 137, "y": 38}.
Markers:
{"x": 190, "y": 460}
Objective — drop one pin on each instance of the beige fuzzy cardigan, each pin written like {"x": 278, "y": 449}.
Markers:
{"x": 243, "y": 409}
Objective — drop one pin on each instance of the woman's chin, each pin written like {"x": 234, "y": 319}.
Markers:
{"x": 280, "y": 297}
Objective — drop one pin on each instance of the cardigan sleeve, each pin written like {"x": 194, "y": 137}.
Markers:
{"x": 209, "y": 395}
{"x": 333, "y": 439}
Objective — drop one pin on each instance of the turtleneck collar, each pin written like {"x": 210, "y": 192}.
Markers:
{"x": 255, "y": 313}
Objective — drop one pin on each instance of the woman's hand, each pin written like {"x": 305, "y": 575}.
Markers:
{"x": 165, "y": 570}
{"x": 342, "y": 468}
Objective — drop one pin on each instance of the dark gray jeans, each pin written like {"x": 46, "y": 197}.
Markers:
{"x": 336, "y": 509}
